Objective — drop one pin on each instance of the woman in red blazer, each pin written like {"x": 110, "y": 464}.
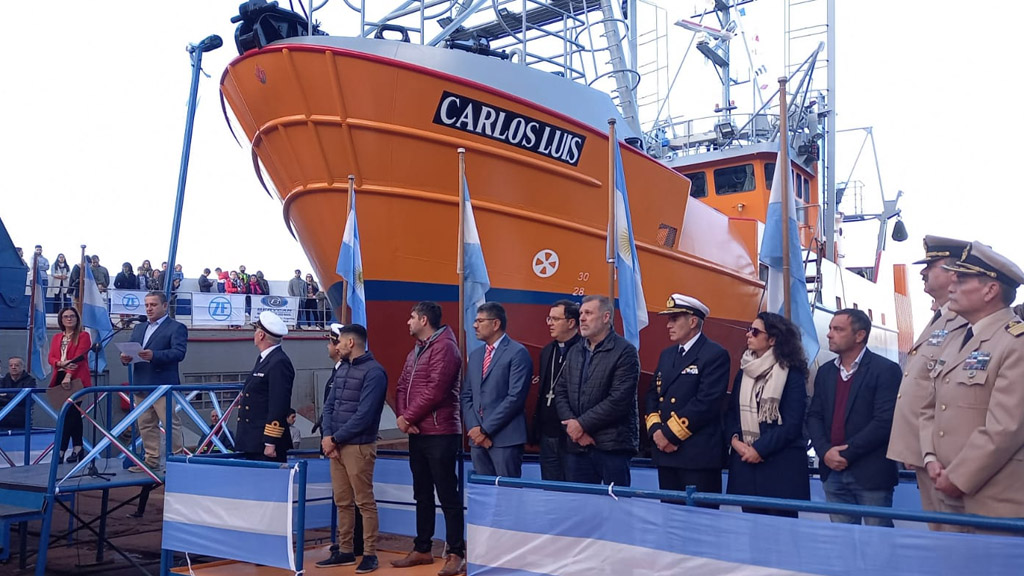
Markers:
{"x": 69, "y": 357}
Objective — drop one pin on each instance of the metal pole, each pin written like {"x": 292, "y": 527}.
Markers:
{"x": 830, "y": 136}
{"x": 81, "y": 286}
{"x": 344, "y": 283}
{"x": 32, "y": 314}
{"x": 196, "y": 55}
{"x": 784, "y": 181}
{"x": 610, "y": 248}
{"x": 460, "y": 267}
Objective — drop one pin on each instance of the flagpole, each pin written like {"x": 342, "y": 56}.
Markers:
{"x": 81, "y": 284}
{"x": 610, "y": 248}
{"x": 32, "y": 313}
{"x": 787, "y": 308}
{"x": 460, "y": 265}
{"x": 344, "y": 283}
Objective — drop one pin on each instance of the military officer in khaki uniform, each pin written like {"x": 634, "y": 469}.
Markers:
{"x": 945, "y": 326}
{"x": 972, "y": 423}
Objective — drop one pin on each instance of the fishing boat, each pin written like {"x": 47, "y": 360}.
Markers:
{"x": 509, "y": 83}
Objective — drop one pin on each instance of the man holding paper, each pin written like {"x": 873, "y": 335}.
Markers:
{"x": 164, "y": 342}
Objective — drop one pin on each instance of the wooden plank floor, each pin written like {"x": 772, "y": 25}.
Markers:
{"x": 231, "y": 568}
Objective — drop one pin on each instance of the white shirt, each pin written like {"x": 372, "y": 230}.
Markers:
{"x": 151, "y": 327}
{"x": 843, "y": 373}
{"x": 263, "y": 355}
{"x": 689, "y": 344}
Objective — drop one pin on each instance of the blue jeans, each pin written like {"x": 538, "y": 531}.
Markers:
{"x": 842, "y": 488}
{"x": 598, "y": 467}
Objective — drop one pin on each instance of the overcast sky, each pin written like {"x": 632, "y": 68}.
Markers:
{"x": 95, "y": 99}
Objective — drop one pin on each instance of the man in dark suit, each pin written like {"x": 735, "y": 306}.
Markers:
{"x": 850, "y": 419}
{"x": 164, "y": 342}
{"x": 262, "y": 429}
{"x": 494, "y": 396}
{"x": 564, "y": 325}
{"x": 685, "y": 402}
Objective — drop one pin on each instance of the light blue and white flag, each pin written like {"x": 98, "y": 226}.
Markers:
{"x": 530, "y": 531}
{"x": 772, "y": 246}
{"x": 632, "y": 304}
{"x": 350, "y": 266}
{"x": 243, "y": 514}
{"x": 95, "y": 316}
{"x": 40, "y": 367}
{"x": 474, "y": 270}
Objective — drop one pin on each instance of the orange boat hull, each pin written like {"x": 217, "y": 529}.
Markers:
{"x": 316, "y": 114}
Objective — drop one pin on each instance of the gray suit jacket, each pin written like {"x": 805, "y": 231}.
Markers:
{"x": 496, "y": 401}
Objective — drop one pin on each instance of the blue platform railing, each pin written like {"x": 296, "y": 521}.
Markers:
{"x": 56, "y": 487}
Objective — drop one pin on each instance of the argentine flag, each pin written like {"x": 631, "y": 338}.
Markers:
{"x": 350, "y": 266}
{"x": 96, "y": 316}
{"x": 632, "y": 305}
{"x": 474, "y": 270}
{"x": 40, "y": 368}
{"x": 772, "y": 245}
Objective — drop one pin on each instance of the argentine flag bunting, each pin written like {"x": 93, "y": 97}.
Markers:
{"x": 632, "y": 304}
{"x": 772, "y": 245}
{"x": 474, "y": 270}
{"x": 350, "y": 266}
{"x": 96, "y": 316}
{"x": 40, "y": 368}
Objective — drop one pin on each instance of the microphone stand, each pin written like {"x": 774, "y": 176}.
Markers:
{"x": 97, "y": 348}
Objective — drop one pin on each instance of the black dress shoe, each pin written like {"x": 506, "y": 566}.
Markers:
{"x": 75, "y": 456}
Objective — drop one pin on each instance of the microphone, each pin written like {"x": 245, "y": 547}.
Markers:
{"x": 139, "y": 318}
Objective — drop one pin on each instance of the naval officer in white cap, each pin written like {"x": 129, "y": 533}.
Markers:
{"x": 685, "y": 402}
{"x": 262, "y": 430}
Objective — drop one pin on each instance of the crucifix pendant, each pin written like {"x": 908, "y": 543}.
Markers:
{"x": 551, "y": 395}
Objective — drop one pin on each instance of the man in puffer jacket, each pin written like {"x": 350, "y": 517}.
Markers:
{"x": 428, "y": 411}
{"x": 596, "y": 399}
{"x": 350, "y": 422}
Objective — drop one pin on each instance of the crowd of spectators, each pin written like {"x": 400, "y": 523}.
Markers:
{"x": 62, "y": 279}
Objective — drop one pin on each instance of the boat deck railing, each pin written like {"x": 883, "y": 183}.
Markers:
{"x": 556, "y": 36}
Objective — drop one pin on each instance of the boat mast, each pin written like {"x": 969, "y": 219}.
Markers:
{"x": 622, "y": 70}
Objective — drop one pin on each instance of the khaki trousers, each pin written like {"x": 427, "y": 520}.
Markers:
{"x": 944, "y": 503}
{"x": 149, "y": 428}
{"x": 352, "y": 480}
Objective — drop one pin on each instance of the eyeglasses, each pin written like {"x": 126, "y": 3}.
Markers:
{"x": 553, "y": 319}
{"x": 755, "y": 332}
{"x": 482, "y": 320}
{"x": 71, "y": 316}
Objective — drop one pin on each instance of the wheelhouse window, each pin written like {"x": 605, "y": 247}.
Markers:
{"x": 734, "y": 179}
{"x": 698, "y": 184}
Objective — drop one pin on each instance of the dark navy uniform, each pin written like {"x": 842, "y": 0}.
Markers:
{"x": 263, "y": 410}
{"x": 685, "y": 401}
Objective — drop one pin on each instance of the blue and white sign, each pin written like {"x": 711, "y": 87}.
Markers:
{"x": 215, "y": 309}
{"x": 286, "y": 307}
{"x": 127, "y": 302}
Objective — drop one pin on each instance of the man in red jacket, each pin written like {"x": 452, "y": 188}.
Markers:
{"x": 428, "y": 411}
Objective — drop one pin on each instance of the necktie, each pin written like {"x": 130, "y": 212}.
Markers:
{"x": 487, "y": 358}
{"x": 937, "y": 315}
{"x": 967, "y": 337}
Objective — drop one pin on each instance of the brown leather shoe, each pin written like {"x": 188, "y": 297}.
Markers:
{"x": 414, "y": 558}
{"x": 453, "y": 566}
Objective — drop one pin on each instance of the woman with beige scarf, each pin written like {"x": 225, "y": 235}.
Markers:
{"x": 764, "y": 423}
